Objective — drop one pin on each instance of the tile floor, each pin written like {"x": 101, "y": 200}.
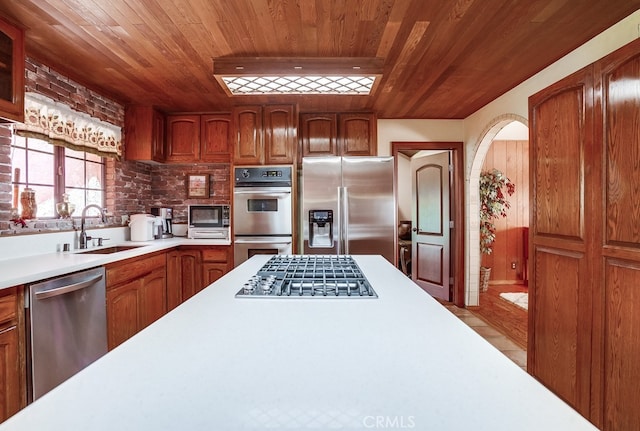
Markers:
{"x": 492, "y": 335}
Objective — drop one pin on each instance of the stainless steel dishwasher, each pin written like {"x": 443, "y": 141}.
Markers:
{"x": 67, "y": 328}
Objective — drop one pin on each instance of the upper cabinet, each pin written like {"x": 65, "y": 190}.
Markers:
{"x": 264, "y": 134}
{"x": 198, "y": 138}
{"x": 331, "y": 134}
{"x": 11, "y": 72}
{"x": 144, "y": 134}
{"x": 183, "y": 138}
{"x": 319, "y": 134}
{"x": 247, "y": 135}
{"x": 357, "y": 134}
{"x": 215, "y": 136}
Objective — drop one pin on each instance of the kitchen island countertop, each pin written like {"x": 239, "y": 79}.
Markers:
{"x": 401, "y": 361}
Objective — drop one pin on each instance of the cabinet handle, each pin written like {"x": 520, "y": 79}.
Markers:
{"x": 10, "y": 328}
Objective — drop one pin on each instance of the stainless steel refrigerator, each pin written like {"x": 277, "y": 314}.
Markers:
{"x": 348, "y": 206}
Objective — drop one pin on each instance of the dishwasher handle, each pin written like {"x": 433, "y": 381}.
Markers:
{"x": 69, "y": 288}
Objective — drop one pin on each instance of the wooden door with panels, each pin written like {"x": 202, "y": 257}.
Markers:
{"x": 616, "y": 323}
{"x": 561, "y": 153}
{"x": 431, "y": 248}
{"x": 585, "y": 242}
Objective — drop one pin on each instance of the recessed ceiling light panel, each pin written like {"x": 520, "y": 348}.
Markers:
{"x": 274, "y": 76}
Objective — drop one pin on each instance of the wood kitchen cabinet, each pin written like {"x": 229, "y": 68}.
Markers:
{"x": 338, "y": 134}
{"x": 216, "y": 262}
{"x": 215, "y": 138}
{"x": 319, "y": 134}
{"x": 584, "y": 304}
{"x": 144, "y": 134}
{"x": 184, "y": 277}
{"x": 183, "y": 138}
{"x": 136, "y": 296}
{"x": 192, "y": 268}
{"x": 357, "y": 134}
{"x": 264, "y": 134}
{"x": 11, "y": 72}
{"x": 198, "y": 138}
{"x": 12, "y": 347}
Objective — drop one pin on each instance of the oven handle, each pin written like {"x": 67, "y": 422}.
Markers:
{"x": 261, "y": 193}
{"x": 261, "y": 241}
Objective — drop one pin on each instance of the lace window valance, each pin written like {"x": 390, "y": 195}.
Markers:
{"x": 58, "y": 124}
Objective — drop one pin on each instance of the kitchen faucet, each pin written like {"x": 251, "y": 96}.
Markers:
{"x": 83, "y": 234}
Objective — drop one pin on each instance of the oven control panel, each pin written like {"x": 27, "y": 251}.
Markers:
{"x": 252, "y": 176}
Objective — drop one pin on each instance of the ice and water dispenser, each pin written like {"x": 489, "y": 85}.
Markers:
{"x": 321, "y": 228}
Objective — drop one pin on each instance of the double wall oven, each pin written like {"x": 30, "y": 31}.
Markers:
{"x": 262, "y": 211}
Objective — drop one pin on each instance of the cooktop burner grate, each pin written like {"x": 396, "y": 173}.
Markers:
{"x": 309, "y": 276}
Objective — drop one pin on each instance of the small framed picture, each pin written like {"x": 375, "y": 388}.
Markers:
{"x": 198, "y": 186}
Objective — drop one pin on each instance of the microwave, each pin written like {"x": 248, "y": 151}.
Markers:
{"x": 208, "y": 221}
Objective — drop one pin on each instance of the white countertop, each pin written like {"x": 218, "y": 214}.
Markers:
{"x": 28, "y": 269}
{"x": 217, "y": 362}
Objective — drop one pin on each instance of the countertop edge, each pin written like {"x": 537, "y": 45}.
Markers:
{"x": 24, "y": 270}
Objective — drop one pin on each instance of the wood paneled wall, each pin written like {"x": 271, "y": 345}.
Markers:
{"x": 512, "y": 158}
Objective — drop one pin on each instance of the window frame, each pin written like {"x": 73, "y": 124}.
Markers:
{"x": 59, "y": 173}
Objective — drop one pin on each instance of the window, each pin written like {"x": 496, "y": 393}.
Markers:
{"x": 52, "y": 171}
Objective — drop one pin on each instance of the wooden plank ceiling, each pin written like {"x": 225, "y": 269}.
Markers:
{"x": 442, "y": 58}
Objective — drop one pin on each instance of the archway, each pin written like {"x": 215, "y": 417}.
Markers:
{"x": 473, "y": 238}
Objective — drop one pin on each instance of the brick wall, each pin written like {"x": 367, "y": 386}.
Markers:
{"x": 131, "y": 187}
{"x": 40, "y": 78}
{"x": 169, "y": 188}
{"x": 5, "y": 177}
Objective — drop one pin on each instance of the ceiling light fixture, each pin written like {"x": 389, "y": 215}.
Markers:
{"x": 309, "y": 75}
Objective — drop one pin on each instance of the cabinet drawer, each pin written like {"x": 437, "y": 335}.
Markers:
{"x": 133, "y": 268}
{"x": 8, "y": 305}
{"x": 215, "y": 254}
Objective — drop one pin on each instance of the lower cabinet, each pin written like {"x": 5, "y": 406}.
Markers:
{"x": 216, "y": 262}
{"x": 13, "y": 388}
{"x": 136, "y": 296}
{"x": 183, "y": 276}
{"x": 192, "y": 268}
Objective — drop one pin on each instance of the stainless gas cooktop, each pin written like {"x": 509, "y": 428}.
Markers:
{"x": 308, "y": 276}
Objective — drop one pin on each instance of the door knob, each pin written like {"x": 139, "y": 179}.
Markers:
{"x": 415, "y": 229}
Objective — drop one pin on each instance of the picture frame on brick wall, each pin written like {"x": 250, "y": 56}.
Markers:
{"x": 197, "y": 186}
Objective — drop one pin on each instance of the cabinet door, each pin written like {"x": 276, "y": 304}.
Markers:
{"x": 153, "y": 297}
{"x": 144, "y": 133}
{"x": 11, "y": 72}
{"x": 212, "y": 272}
{"x": 561, "y": 151}
{"x": 319, "y": 134}
{"x": 122, "y": 312}
{"x": 183, "y": 138}
{"x": 215, "y": 138}
{"x": 157, "y": 138}
{"x": 280, "y": 134}
{"x": 216, "y": 263}
{"x": 10, "y": 383}
{"x": 615, "y": 368}
{"x": 174, "y": 280}
{"x": 247, "y": 132}
{"x": 191, "y": 279}
{"x": 357, "y": 134}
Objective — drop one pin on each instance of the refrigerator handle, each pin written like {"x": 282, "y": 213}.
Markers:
{"x": 345, "y": 220}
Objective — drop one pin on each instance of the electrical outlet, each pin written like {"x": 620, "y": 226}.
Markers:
{"x": 513, "y": 265}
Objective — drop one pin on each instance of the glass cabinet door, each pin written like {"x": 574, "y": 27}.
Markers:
{"x": 11, "y": 72}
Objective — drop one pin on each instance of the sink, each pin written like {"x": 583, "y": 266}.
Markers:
{"x": 109, "y": 250}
